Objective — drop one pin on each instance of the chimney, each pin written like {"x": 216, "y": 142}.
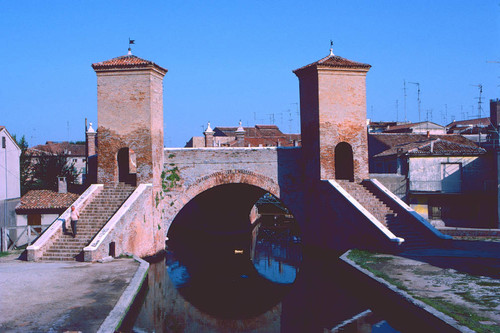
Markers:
{"x": 209, "y": 136}
{"x": 90, "y": 136}
{"x": 495, "y": 112}
{"x": 240, "y": 136}
{"x": 62, "y": 186}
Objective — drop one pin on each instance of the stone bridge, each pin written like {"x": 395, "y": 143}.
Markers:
{"x": 188, "y": 172}
{"x": 181, "y": 186}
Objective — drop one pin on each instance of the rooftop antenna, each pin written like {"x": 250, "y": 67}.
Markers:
{"x": 130, "y": 42}
{"x": 404, "y": 90}
{"x": 418, "y": 97}
{"x": 479, "y": 99}
{"x": 397, "y": 110}
{"x": 271, "y": 118}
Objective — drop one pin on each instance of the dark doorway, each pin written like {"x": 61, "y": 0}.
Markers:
{"x": 124, "y": 175}
{"x": 35, "y": 219}
{"x": 344, "y": 165}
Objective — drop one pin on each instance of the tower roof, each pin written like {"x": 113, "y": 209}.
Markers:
{"x": 127, "y": 62}
{"x": 335, "y": 61}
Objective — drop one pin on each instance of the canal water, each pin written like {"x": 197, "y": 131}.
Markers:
{"x": 263, "y": 283}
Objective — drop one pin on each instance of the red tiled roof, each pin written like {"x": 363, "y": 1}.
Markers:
{"x": 408, "y": 126}
{"x": 474, "y": 122}
{"x": 58, "y": 148}
{"x": 126, "y": 61}
{"x": 441, "y": 147}
{"x": 401, "y": 143}
{"x": 45, "y": 200}
{"x": 335, "y": 62}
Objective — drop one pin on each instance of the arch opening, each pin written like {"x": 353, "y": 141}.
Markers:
{"x": 127, "y": 168}
{"x": 344, "y": 162}
{"x": 220, "y": 251}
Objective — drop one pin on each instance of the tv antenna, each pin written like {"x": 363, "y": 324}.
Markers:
{"x": 404, "y": 91}
{"x": 418, "y": 97}
{"x": 397, "y": 110}
{"x": 479, "y": 99}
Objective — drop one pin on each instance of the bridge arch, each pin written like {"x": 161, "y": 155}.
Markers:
{"x": 207, "y": 182}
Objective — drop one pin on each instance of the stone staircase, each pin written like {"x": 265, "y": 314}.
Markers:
{"x": 398, "y": 224}
{"x": 91, "y": 221}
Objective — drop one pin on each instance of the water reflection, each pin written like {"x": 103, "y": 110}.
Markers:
{"x": 271, "y": 286}
{"x": 277, "y": 254}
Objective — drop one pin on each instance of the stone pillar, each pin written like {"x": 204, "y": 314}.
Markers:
{"x": 209, "y": 136}
{"x": 240, "y": 136}
{"x": 333, "y": 117}
{"x": 130, "y": 115}
{"x": 90, "y": 140}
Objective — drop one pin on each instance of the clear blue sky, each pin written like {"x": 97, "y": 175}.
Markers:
{"x": 232, "y": 60}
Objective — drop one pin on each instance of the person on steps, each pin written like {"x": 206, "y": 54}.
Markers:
{"x": 74, "y": 218}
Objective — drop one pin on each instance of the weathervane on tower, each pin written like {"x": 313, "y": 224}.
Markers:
{"x": 130, "y": 42}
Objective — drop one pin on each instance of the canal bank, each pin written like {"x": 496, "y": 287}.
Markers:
{"x": 66, "y": 296}
{"x": 432, "y": 289}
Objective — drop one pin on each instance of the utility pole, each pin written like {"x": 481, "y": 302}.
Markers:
{"x": 418, "y": 97}
{"x": 4, "y": 229}
{"x": 397, "y": 110}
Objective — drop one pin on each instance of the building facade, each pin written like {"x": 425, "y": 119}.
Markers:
{"x": 10, "y": 188}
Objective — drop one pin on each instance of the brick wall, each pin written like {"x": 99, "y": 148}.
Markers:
{"x": 130, "y": 114}
{"x": 333, "y": 110}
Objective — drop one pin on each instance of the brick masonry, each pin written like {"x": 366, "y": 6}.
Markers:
{"x": 130, "y": 114}
{"x": 333, "y": 110}
{"x": 275, "y": 170}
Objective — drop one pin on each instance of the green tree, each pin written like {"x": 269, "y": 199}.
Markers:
{"x": 47, "y": 167}
{"x": 40, "y": 171}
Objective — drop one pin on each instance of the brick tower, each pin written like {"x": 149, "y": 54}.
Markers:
{"x": 130, "y": 120}
{"x": 333, "y": 118}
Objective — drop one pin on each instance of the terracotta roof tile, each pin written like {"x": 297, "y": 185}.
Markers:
{"x": 335, "y": 62}
{"x": 46, "y": 199}
{"x": 126, "y": 61}
{"x": 473, "y": 122}
{"x": 58, "y": 148}
{"x": 402, "y": 143}
{"x": 441, "y": 147}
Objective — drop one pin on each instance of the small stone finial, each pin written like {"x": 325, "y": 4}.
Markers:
{"x": 331, "y": 48}
{"x": 240, "y": 128}
{"x": 90, "y": 130}
{"x": 209, "y": 129}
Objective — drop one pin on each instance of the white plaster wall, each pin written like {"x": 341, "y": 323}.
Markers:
{"x": 427, "y": 170}
{"x": 79, "y": 166}
{"x": 10, "y": 186}
{"x": 48, "y": 218}
{"x": 22, "y": 220}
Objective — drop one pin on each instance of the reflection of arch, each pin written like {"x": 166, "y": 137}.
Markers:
{"x": 126, "y": 161}
{"x": 344, "y": 164}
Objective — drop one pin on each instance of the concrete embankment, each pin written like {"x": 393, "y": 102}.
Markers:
{"x": 66, "y": 296}
{"x": 417, "y": 296}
